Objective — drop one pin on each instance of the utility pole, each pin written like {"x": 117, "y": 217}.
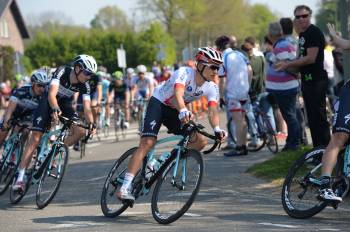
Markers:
{"x": 343, "y": 9}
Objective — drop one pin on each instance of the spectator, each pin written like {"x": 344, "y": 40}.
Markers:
{"x": 238, "y": 74}
{"x": 284, "y": 85}
{"x": 287, "y": 29}
{"x": 313, "y": 76}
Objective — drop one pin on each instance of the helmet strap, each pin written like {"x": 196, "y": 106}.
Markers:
{"x": 201, "y": 71}
{"x": 77, "y": 73}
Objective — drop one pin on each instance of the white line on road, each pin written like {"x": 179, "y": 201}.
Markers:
{"x": 329, "y": 229}
{"x": 94, "y": 179}
{"x": 277, "y": 225}
{"x": 34, "y": 194}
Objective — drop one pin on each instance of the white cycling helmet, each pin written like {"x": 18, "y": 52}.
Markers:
{"x": 209, "y": 55}
{"x": 86, "y": 62}
{"x": 130, "y": 71}
{"x": 40, "y": 77}
{"x": 141, "y": 68}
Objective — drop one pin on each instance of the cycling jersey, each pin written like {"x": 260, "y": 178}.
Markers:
{"x": 185, "y": 77}
{"x": 142, "y": 85}
{"x": 236, "y": 70}
{"x": 26, "y": 103}
{"x": 105, "y": 87}
{"x": 61, "y": 78}
{"x": 94, "y": 82}
{"x": 342, "y": 110}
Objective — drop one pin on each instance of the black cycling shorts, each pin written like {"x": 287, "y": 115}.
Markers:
{"x": 42, "y": 115}
{"x": 157, "y": 114}
{"x": 341, "y": 120}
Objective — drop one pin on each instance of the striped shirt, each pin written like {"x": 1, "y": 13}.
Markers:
{"x": 281, "y": 80}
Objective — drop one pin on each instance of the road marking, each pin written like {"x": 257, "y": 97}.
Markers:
{"x": 76, "y": 225}
{"x": 329, "y": 229}
{"x": 277, "y": 225}
{"x": 94, "y": 179}
{"x": 34, "y": 194}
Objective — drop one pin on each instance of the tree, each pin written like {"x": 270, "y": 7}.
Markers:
{"x": 111, "y": 18}
{"x": 327, "y": 14}
{"x": 6, "y": 63}
{"x": 260, "y": 17}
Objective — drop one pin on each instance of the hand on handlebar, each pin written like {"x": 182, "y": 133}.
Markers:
{"x": 185, "y": 116}
{"x": 54, "y": 115}
{"x": 220, "y": 134}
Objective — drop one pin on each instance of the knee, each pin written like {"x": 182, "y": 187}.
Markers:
{"x": 146, "y": 143}
{"x": 338, "y": 139}
{"x": 35, "y": 137}
{"x": 202, "y": 143}
{"x": 79, "y": 132}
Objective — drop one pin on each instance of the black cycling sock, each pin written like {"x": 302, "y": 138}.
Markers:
{"x": 325, "y": 182}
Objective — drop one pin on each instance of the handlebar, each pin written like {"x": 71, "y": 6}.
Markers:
{"x": 192, "y": 126}
{"x": 72, "y": 121}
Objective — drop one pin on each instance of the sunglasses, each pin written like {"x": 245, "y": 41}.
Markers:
{"x": 212, "y": 67}
{"x": 87, "y": 73}
{"x": 40, "y": 85}
{"x": 304, "y": 16}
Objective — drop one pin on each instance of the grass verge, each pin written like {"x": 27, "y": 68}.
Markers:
{"x": 276, "y": 168}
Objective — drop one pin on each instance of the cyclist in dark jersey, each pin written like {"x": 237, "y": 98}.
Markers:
{"x": 23, "y": 102}
{"x": 119, "y": 88}
{"x": 65, "y": 82}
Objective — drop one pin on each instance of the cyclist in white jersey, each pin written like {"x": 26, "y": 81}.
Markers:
{"x": 167, "y": 106}
{"x": 141, "y": 84}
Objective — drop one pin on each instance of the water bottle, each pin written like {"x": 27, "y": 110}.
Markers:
{"x": 152, "y": 167}
{"x": 347, "y": 161}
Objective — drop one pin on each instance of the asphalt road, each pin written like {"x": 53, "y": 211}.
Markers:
{"x": 229, "y": 200}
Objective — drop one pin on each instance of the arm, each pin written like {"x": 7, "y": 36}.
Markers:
{"x": 250, "y": 73}
{"x": 11, "y": 107}
{"x": 87, "y": 111}
{"x": 222, "y": 82}
{"x": 337, "y": 40}
{"x": 52, "y": 96}
{"x": 310, "y": 58}
{"x": 99, "y": 94}
{"x": 213, "y": 116}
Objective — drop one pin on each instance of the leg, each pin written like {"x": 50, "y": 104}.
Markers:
{"x": 77, "y": 133}
{"x": 197, "y": 142}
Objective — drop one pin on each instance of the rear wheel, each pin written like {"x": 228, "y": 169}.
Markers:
{"x": 111, "y": 206}
{"x": 173, "y": 196}
{"x": 8, "y": 166}
{"x": 300, "y": 191}
{"x": 52, "y": 177}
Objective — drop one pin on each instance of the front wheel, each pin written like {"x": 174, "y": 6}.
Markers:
{"x": 176, "y": 190}
{"x": 300, "y": 189}
{"x": 111, "y": 206}
{"x": 8, "y": 166}
{"x": 52, "y": 177}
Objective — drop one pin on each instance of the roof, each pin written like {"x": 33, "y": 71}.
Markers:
{"x": 4, "y": 4}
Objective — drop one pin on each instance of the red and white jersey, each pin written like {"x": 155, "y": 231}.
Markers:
{"x": 185, "y": 77}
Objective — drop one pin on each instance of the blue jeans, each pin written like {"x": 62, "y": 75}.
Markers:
{"x": 266, "y": 107}
{"x": 287, "y": 104}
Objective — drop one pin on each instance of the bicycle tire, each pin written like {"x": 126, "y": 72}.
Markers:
{"x": 8, "y": 170}
{"x": 310, "y": 159}
{"x": 157, "y": 196}
{"x": 271, "y": 139}
{"x": 114, "y": 183}
{"x": 59, "y": 169}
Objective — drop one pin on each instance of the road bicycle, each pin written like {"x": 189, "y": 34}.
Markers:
{"x": 11, "y": 155}
{"x": 178, "y": 175}
{"x": 119, "y": 123}
{"x": 265, "y": 133}
{"x": 300, "y": 189}
{"x": 102, "y": 126}
{"x": 49, "y": 165}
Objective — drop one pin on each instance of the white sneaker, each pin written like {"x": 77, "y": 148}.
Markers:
{"x": 19, "y": 186}
{"x": 328, "y": 195}
{"x": 126, "y": 125}
{"x": 125, "y": 194}
{"x": 107, "y": 122}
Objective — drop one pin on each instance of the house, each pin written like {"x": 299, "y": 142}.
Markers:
{"x": 13, "y": 30}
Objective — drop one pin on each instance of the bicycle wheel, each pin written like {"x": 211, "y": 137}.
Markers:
{"x": 271, "y": 139}
{"x": 8, "y": 166}
{"x": 52, "y": 177}
{"x": 260, "y": 133}
{"x": 299, "y": 192}
{"x": 111, "y": 206}
{"x": 172, "y": 197}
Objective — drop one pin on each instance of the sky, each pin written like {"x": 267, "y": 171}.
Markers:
{"x": 83, "y": 11}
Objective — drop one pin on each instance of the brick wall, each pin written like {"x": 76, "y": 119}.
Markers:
{"x": 14, "y": 40}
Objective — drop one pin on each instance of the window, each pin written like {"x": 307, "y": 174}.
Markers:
{"x": 4, "y": 31}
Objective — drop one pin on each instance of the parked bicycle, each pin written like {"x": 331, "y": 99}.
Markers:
{"x": 49, "y": 166}
{"x": 266, "y": 135}
{"x": 11, "y": 155}
{"x": 300, "y": 189}
{"x": 177, "y": 174}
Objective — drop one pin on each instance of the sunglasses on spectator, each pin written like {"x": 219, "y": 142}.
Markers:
{"x": 87, "y": 73}
{"x": 304, "y": 16}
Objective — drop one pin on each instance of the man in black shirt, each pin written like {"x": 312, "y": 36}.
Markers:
{"x": 313, "y": 76}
